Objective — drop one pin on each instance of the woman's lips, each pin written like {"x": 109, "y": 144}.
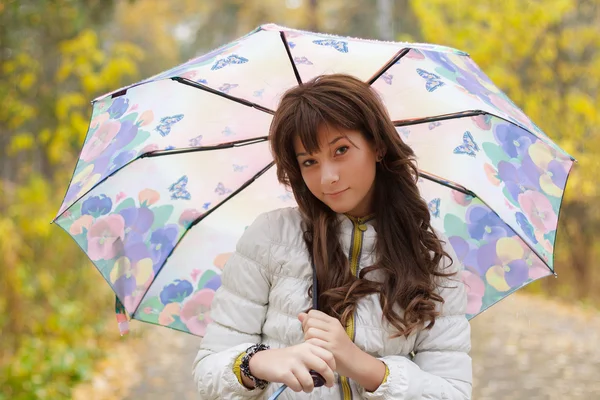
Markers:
{"x": 335, "y": 194}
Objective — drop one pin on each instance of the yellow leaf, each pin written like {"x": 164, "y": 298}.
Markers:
{"x": 20, "y": 142}
{"x": 28, "y": 79}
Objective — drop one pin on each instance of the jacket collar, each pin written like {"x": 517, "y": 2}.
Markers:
{"x": 347, "y": 227}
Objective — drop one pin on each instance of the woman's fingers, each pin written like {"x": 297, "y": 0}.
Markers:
{"x": 292, "y": 382}
{"x": 320, "y": 349}
{"x": 323, "y": 369}
{"x": 302, "y": 374}
{"x": 314, "y": 323}
{"x": 315, "y": 333}
{"x": 319, "y": 315}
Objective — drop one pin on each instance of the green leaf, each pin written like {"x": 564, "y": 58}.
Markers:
{"x": 495, "y": 153}
{"x": 75, "y": 209}
{"x": 446, "y": 73}
{"x": 127, "y": 203}
{"x": 508, "y": 196}
{"x": 130, "y": 117}
{"x": 206, "y": 276}
{"x": 161, "y": 216}
{"x": 177, "y": 324}
{"x": 139, "y": 139}
{"x": 555, "y": 201}
{"x": 551, "y": 236}
{"x": 152, "y": 303}
{"x": 104, "y": 266}
{"x": 81, "y": 240}
{"x": 454, "y": 226}
{"x": 491, "y": 294}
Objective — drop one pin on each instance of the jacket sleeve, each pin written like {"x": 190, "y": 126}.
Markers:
{"x": 441, "y": 368}
{"x": 238, "y": 312}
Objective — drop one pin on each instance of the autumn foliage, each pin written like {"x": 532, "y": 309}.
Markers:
{"x": 56, "y": 56}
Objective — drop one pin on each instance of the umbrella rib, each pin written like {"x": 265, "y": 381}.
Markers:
{"x": 289, "y": 54}
{"x": 461, "y": 114}
{"x": 222, "y": 94}
{"x": 200, "y": 218}
{"x": 471, "y": 113}
{"x": 455, "y": 186}
{"x": 445, "y": 182}
{"x": 158, "y": 153}
{"x": 239, "y": 143}
{"x": 389, "y": 64}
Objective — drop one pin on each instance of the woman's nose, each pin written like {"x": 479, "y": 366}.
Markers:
{"x": 329, "y": 174}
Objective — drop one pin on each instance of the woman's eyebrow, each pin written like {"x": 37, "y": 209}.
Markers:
{"x": 336, "y": 139}
{"x": 330, "y": 144}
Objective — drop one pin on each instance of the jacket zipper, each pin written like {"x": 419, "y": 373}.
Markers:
{"x": 355, "y": 249}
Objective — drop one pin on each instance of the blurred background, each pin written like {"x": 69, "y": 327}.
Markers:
{"x": 58, "y": 334}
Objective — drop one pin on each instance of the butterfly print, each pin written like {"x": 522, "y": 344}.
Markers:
{"x": 232, "y": 59}
{"x": 434, "y": 124}
{"x": 285, "y": 197}
{"x": 434, "y": 207}
{"x": 339, "y": 45}
{"x": 433, "y": 81}
{"x": 239, "y": 168}
{"x": 197, "y": 141}
{"x": 179, "y": 189}
{"x": 166, "y": 123}
{"x": 302, "y": 60}
{"x": 469, "y": 147}
{"x": 404, "y": 131}
{"x": 387, "y": 78}
{"x": 226, "y": 87}
{"x": 221, "y": 189}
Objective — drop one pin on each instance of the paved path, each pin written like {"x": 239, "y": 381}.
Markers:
{"x": 523, "y": 348}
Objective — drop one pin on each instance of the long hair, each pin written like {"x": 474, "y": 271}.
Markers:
{"x": 408, "y": 252}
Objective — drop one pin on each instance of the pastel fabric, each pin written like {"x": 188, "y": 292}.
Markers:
{"x": 189, "y": 145}
{"x": 264, "y": 287}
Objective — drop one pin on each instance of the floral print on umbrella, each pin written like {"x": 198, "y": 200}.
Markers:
{"x": 128, "y": 240}
{"x": 496, "y": 260}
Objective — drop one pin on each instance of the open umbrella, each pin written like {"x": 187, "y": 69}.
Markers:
{"x": 174, "y": 168}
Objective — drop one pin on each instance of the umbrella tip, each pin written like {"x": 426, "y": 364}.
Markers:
{"x": 123, "y": 324}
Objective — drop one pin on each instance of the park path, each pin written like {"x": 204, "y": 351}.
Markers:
{"x": 524, "y": 347}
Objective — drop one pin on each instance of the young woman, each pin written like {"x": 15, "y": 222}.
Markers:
{"x": 391, "y": 321}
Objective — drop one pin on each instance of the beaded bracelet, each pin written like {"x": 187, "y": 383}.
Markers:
{"x": 245, "y": 365}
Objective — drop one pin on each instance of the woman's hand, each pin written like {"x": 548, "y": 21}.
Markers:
{"x": 291, "y": 366}
{"x": 328, "y": 333}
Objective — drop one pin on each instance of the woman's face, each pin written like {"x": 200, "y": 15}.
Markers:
{"x": 342, "y": 172}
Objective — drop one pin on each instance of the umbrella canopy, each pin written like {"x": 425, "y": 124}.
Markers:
{"x": 174, "y": 168}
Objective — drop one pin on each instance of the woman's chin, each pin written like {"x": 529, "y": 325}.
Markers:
{"x": 339, "y": 208}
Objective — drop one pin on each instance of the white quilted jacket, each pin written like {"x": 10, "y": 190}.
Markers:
{"x": 264, "y": 287}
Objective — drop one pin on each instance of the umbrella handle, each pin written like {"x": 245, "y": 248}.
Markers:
{"x": 317, "y": 379}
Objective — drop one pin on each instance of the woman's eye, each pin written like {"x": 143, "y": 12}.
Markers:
{"x": 341, "y": 150}
{"x": 308, "y": 163}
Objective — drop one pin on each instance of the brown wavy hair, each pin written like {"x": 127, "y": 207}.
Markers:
{"x": 408, "y": 252}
